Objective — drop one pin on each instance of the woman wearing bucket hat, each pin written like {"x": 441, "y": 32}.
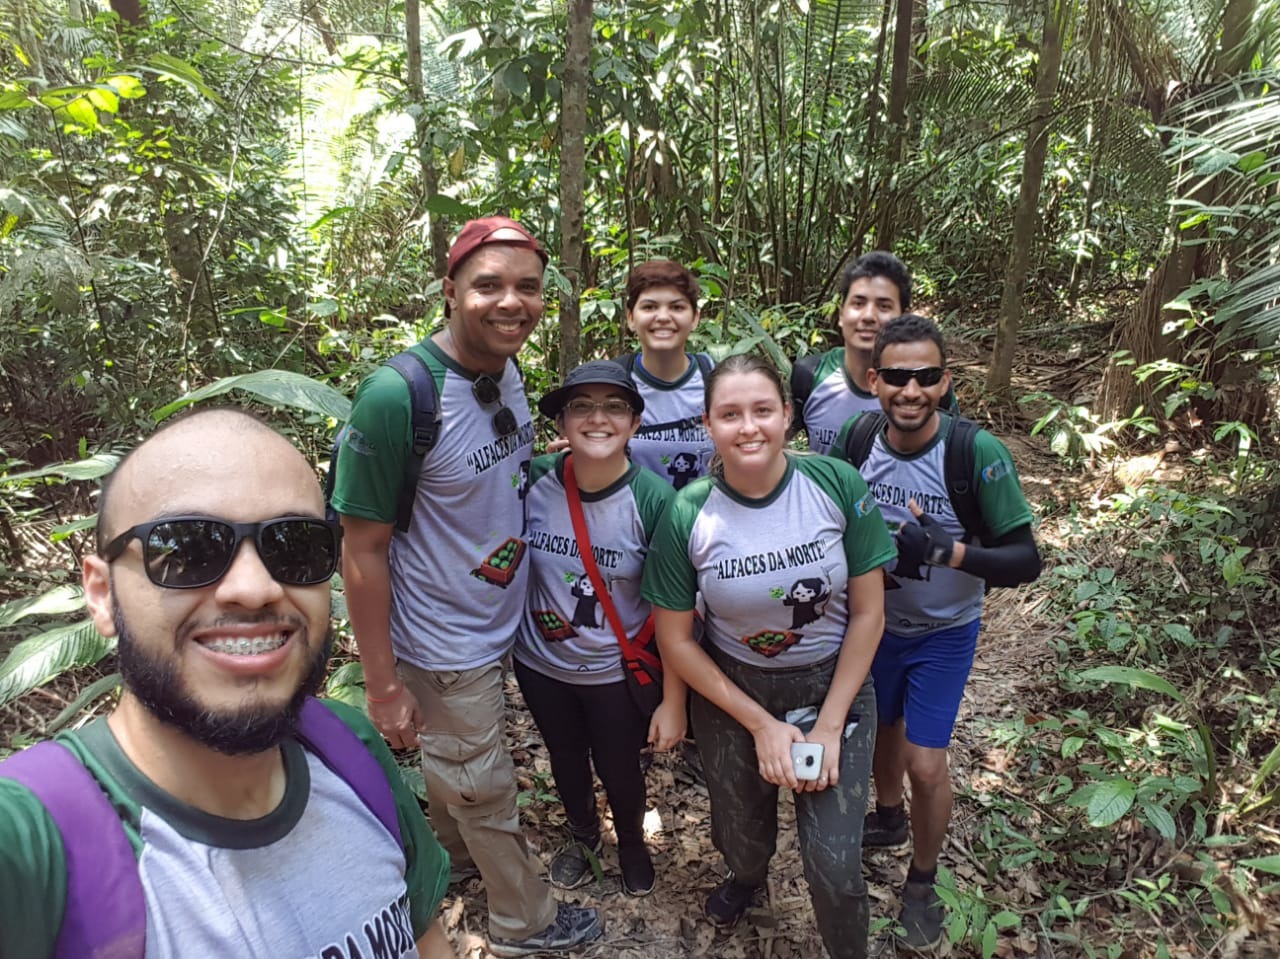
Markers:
{"x": 567, "y": 652}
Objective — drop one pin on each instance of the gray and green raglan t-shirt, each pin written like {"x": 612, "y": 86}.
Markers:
{"x": 833, "y": 399}
{"x": 774, "y": 571}
{"x": 565, "y": 634}
{"x": 671, "y": 440}
{"x": 930, "y": 598}
{"x": 458, "y": 576}
{"x": 319, "y": 877}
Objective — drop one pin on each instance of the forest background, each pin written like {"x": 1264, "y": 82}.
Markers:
{"x": 255, "y": 200}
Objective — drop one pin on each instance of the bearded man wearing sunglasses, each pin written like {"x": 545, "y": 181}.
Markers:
{"x": 436, "y": 607}
{"x": 934, "y": 593}
{"x": 219, "y": 809}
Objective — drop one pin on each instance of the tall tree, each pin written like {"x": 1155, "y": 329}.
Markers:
{"x": 1026, "y": 219}
{"x": 423, "y": 131}
{"x": 903, "y": 36}
{"x": 573, "y": 167}
{"x": 1147, "y": 332}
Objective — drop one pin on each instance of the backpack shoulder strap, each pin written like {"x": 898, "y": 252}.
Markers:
{"x": 861, "y": 436}
{"x": 106, "y": 912}
{"x": 705, "y": 363}
{"x": 324, "y": 733}
{"x": 958, "y": 466}
{"x": 803, "y": 373}
{"x": 424, "y": 402}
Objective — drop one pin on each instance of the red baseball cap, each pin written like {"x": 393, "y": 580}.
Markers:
{"x": 491, "y": 229}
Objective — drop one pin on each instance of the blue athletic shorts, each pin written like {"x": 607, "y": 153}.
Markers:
{"x": 922, "y": 678}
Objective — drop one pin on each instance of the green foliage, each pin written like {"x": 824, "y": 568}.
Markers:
{"x": 40, "y": 658}
{"x": 1076, "y": 434}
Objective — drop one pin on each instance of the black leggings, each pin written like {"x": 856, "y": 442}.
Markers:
{"x": 582, "y": 725}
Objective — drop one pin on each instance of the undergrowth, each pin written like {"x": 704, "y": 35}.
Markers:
{"x": 1141, "y": 799}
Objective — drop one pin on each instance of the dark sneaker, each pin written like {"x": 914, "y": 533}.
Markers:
{"x": 921, "y": 917}
{"x": 728, "y": 901}
{"x": 884, "y": 832}
{"x": 637, "y": 870}
{"x": 574, "y": 927}
{"x": 575, "y": 865}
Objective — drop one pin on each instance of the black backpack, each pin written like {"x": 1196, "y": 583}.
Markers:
{"x": 628, "y": 363}
{"x": 958, "y": 465}
{"x": 425, "y": 404}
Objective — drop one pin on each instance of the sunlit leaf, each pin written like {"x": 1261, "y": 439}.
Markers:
{"x": 94, "y": 467}
{"x": 56, "y": 602}
{"x": 1110, "y": 801}
{"x": 40, "y": 658}
{"x": 1269, "y": 864}
{"x": 1130, "y": 676}
{"x": 277, "y": 387}
{"x": 88, "y": 696}
{"x": 1160, "y": 818}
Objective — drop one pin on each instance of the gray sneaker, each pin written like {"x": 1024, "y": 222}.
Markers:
{"x": 573, "y": 928}
{"x": 921, "y": 917}
{"x": 575, "y": 865}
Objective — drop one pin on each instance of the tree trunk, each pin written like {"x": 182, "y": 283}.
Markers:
{"x": 1140, "y": 335}
{"x": 422, "y": 133}
{"x": 313, "y": 11}
{"x": 573, "y": 165}
{"x": 886, "y": 214}
{"x": 1026, "y": 220}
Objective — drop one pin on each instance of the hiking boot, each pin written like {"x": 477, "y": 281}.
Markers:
{"x": 921, "y": 917}
{"x": 575, "y": 865}
{"x": 573, "y": 928}
{"x": 728, "y": 901}
{"x": 881, "y": 830}
{"x": 637, "y": 870}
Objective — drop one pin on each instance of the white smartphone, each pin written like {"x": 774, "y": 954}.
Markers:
{"x": 807, "y": 760}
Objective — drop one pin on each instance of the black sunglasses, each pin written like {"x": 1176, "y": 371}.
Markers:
{"x": 188, "y": 552}
{"x": 897, "y": 376}
{"x": 486, "y": 391}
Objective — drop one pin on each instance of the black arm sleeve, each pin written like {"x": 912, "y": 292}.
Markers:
{"x": 1012, "y": 561}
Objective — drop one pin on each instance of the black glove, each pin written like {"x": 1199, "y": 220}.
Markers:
{"x": 925, "y": 543}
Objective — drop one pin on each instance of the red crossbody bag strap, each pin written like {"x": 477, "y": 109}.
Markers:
{"x": 629, "y": 649}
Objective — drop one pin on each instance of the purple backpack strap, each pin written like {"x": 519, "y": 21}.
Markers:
{"x": 106, "y": 912}
{"x": 339, "y": 748}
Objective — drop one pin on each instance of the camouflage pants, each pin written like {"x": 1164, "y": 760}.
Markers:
{"x": 744, "y": 808}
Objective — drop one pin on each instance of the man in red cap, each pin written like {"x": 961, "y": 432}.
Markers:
{"x": 435, "y": 606}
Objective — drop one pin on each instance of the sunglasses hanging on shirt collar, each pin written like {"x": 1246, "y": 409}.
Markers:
{"x": 486, "y": 391}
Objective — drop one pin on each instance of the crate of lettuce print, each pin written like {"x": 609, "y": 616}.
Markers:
{"x": 500, "y": 566}
{"x": 770, "y": 642}
{"x": 552, "y": 626}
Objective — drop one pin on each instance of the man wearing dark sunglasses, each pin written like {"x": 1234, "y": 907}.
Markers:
{"x": 436, "y": 607}
{"x": 240, "y": 835}
{"x": 934, "y": 595}
{"x": 828, "y": 388}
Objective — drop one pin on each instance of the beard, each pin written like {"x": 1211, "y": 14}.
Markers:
{"x": 154, "y": 680}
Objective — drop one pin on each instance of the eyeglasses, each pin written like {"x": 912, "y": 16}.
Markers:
{"x": 486, "y": 391}
{"x": 188, "y": 552}
{"x": 614, "y": 408}
{"x": 926, "y": 376}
